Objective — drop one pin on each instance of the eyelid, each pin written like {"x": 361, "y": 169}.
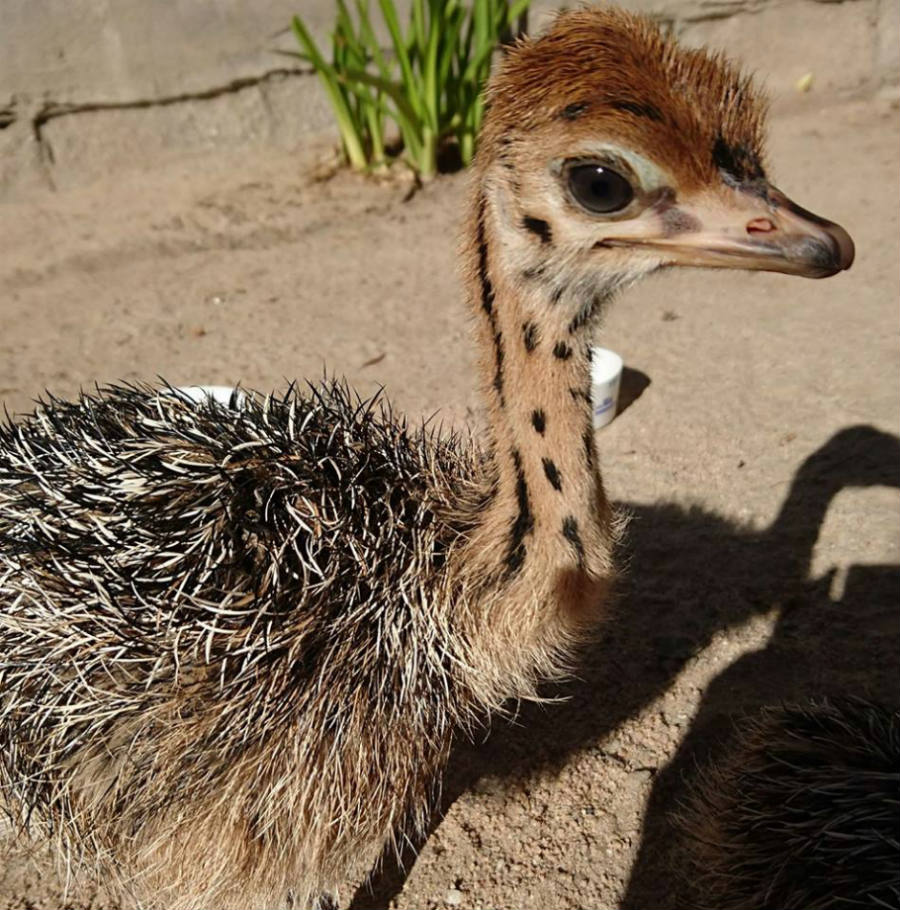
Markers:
{"x": 609, "y": 162}
{"x": 643, "y": 174}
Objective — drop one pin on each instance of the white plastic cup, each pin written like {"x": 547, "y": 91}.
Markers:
{"x": 606, "y": 375}
{"x": 225, "y": 395}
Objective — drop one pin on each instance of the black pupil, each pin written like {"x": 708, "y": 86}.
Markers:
{"x": 599, "y": 189}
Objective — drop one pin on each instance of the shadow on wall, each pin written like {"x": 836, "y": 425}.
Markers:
{"x": 692, "y": 574}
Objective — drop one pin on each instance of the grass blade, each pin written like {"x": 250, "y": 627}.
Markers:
{"x": 409, "y": 81}
{"x": 367, "y": 35}
{"x": 407, "y": 120}
{"x": 328, "y": 75}
{"x": 394, "y": 92}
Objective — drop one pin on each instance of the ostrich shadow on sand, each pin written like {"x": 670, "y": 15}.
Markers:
{"x": 692, "y": 574}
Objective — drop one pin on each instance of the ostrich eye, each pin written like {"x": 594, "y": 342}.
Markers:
{"x": 599, "y": 189}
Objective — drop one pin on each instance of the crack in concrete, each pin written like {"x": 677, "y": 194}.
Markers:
{"x": 52, "y": 110}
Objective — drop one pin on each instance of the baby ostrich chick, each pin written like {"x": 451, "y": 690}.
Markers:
{"x": 235, "y": 644}
{"x": 801, "y": 813}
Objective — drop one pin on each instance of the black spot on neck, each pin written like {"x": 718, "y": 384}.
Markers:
{"x": 739, "y": 162}
{"x": 515, "y": 558}
{"x": 574, "y": 111}
{"x": 523, "y": 522}
{"x": 539, "y": 227}
{"x": 639, "y": 109}
{"x": 534, "y": 271}
{"x": 584, "y": 314}
{"x": 487, "y": 287}
{"x": 531, "y": 336}
{"x": 571, "y": 533}
{"x": 562, "y": 351}
{"x": 539, "y": 421}
{"x": 498, "y": 366}
{"x": 552, "y": 473}
{"x": 579, "y": 395}
{"x": 588, "y": 440}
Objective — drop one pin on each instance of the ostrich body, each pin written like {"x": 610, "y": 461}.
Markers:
{"x": 236, "y": 644}
{"x": 800, "y": 812}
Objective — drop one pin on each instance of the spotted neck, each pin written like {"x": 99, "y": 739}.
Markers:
{"x": 549, "y": 522}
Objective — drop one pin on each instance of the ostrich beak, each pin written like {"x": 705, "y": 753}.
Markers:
{"x": 756, "y": 229}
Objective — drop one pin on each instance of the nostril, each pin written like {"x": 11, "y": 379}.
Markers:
{"x": 760, "y": 226}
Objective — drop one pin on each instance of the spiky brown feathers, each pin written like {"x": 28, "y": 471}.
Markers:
{"x": 184, "y": 587}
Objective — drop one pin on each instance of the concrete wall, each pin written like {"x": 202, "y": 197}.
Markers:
{"x": 88, "y": 86}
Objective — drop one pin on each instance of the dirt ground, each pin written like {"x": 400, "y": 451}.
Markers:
{"x": 749, "y": 579}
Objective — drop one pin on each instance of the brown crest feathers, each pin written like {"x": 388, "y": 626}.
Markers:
{"x": 689, "y": 109}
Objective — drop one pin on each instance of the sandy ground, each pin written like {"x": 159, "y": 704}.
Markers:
{"x": 749, "y": 580}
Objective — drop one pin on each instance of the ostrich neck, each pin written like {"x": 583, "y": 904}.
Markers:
{"x": 549, "y": 520}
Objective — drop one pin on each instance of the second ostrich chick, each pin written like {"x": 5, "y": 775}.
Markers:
{"x": 235, "y": 645}
{"x": 799, "y": 811}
